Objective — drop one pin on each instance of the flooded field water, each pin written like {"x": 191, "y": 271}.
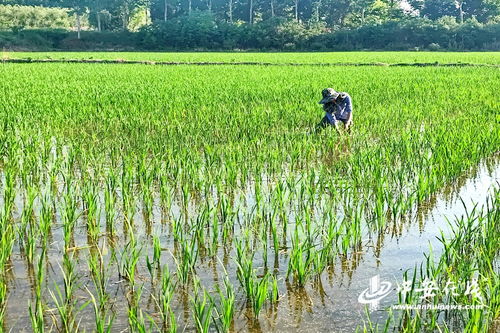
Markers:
{"x": 326, "y": 303}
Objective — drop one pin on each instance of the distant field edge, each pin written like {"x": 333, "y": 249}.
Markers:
{"x": 255, "y": 63}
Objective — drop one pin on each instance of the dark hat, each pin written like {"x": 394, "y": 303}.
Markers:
{"x": 329, "y": 95}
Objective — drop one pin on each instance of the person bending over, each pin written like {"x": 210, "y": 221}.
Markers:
{"x": 338, "y": 108}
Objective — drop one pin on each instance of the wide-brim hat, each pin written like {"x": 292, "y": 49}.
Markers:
{"x": 329, "y": 95}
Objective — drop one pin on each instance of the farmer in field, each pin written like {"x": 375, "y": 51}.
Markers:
{"x": 338, "y": 108}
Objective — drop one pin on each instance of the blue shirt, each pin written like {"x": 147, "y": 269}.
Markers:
{"x": 340, "y": 110}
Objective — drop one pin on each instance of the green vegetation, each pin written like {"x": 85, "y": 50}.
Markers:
{"x": 308, "y": 25}
{"x": 191, "y": 197}
{"x": 492, "y": 58}
{"x": 27, "y": 17}
{"x": 468, "y": 257}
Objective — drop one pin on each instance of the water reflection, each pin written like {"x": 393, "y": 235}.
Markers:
{"x": 327, "y": 303}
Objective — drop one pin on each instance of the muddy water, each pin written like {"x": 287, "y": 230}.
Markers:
{"x": 327, "y": 304}
{"x": 332, "y": 305}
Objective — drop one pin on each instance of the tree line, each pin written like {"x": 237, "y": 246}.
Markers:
{"x": 294, "y": 23}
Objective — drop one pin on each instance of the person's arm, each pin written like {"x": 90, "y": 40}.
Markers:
{"x": 348, "y": 105}
{"x": 332, "y": 120}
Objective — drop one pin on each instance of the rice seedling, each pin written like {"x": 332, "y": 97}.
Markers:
{"x": 46, "y": 218}
{"x": 6, "y": 244}
{"x": 36, "y": 310}
{"x": 156, "y": 251}
{"x": 27, "y": 217}
{"x": 260, "y": 294}
{"x": 256, "y": 289}
{"x": 245, "y": 268}
{"x": 65, "y": 302}
{"x": 186, "y": 261}
{"x": 236, "y": 177}
{"x": 225, "y": 313}
{"x": 92, "y": 212}
{"x": 465, "y": 261}
{"x": 69, "y": 219}
{"x": 128, "y": 262}
{"x": 102, "y": 324}
{"x": 110, "y": 202}
{"x": 302, "y": 257}
{"x": 100, "y": 276}
{"x": 164, "y": 300}
{"x": 202, "y": 308}
{"x": 138, "y": 322}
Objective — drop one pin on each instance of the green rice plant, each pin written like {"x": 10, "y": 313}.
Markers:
{"x": 264, "y": 241}
{"x": 202, "y": 307}
{"x": 187, "y": 260}
{"x": 136, "y": 319}
{"x": 27, "y": 217}
{"x": 234, "y": 177}
{"x": 6, "y": 243}
{"x": 100, "y": 275}
{"x": 331, "y": 234}
{"x": 102, "y": 324}
{"x": 3, "y": 300}
{"x": 65, "y": 301}
{"x": 177, "y": 227}
{"x": 169, "y": 323}
{"x": 90, "y": 200}
{"x": 260, "y": 294}
{"x": 225, "y": 313}
{"x": 274, "y": 293}
{"x": 256, "y": 289}
{"x": 110, "y": 201}
{"x": 166, "y": 192}
{"x": 69, "y": 219}
{"x": 154, "y": 264}
{"x": 30, "y": 248}
{"x": 273, "y": 226}
{"x": 46, "y": 217}
{"x": 140, "y": 324}
{"x": 127, "y": 194}
{"x": 36, "y": 310}
{"x": 215, "y": 238}
{"x": 156, "y": 255}
{"x": 201, "y": 224}
{"x": 145, "y": 184}
{"x": 226, "y": 215}
{"x": 302, "y": 256}
{"x": 185, "y": 198}
{"x": 128, "y": 262}
{"x": 245, "y": 271}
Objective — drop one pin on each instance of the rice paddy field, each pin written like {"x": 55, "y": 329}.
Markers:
{"x": 459, "y": 58}
{"x": 138, "y": 198}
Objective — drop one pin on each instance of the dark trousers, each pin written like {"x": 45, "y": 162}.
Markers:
{"x": 325, "y": 122}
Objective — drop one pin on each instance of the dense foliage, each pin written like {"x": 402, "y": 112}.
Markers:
{"x": 28, "y": 17}
{"x": 259, "y": 24}
{"x": 200, "y": 33}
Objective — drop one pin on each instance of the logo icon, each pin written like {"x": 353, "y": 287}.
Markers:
{"x": 375, "y": 292}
